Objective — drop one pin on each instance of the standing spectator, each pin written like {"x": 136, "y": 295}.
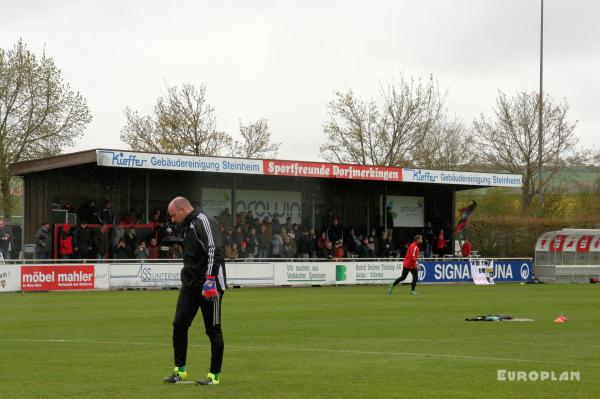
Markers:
{"x": 252, "y": 243}
{"x": 101, "y": 241}
{"x": 43, "y": 242}
{"x": 466, "y": 248}
{"x": 385, "y": 249}
{"x": 287, "y": 251}
{"x": 89, "y": 213}
{"x": 302, "y": 244}
{"x": 389, "y": 218}
{"x": 323, "y": 246}
{"x": 131, "y": 240}
{"x": 276, "y": 244}
{"x": 65, "y": 242}
{"x": 83, "y": 241}
{"x": 5, "y": 239}
{"x": 312, "y": 243}
{"x": 289, "y": 226}
{"x": 226, "y": 218}
{"x": 441, "y": 243}
{"x": 106, "y": 214}
{"x": 275, "y": 224}
{"x": 428, "y": 240}
{"x": 263, "y": 243}
{"x": 117, "y": 233}
{"x": 335, "y": 231}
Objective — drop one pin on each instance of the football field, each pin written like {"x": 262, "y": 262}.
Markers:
{"x": 319, "y": 342}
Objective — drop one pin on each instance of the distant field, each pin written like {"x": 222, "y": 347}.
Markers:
{"x": 344, "y": 342}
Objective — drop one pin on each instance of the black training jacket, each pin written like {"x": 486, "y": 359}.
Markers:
{"x": 202, "y": 252}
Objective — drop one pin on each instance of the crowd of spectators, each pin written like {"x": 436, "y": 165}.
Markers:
{"x": 100, "y": 236}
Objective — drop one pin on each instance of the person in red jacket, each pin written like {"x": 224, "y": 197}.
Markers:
{"x": 410, "y": 266}
{"x": 65, "y": 239}
{"x": 466, "y": 248}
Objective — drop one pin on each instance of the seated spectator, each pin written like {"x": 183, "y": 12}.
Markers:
{"x": 364, "y": 251}
{"x": 153, "y": 249}
{"x": 176, "y": 252}
{"x": 238, "y": 236}
{"x": 243, "y": 251}
{"x": 231, "y": 251}
{"x": 142, "y": 252}
{"x": 338, "y": 250}
{"x": 122, "y": 250}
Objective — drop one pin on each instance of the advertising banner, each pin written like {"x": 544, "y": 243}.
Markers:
{"x": 249, "y": 273}
{"x": 270, "y": 203}
{"x": 57, "y": 277}
{"x": 329, "y": 170}
{"x": 407, "y": 211}
{"x": 459, "y": 270}
{"x": 215, "y": 200}
{"x": 304, "y": 273}
{"x": 138, "y": 275}
{"x": 467, "y": 178}
{"x": 127, "y": 159}
{"x": 10, "y": 278}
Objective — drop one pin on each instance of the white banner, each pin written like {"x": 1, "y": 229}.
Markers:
{"x": 249, "y": 273}
{"x": 304, "y": 273}
{"x": 407, "y": 211}
{"x": 10, "y": 278}
{"x": 215, "y": 200}
{"x": 466, "y": 178}
{"x": 145, "y": 275}
{"x": 127, "y": 159}
{"x": 482, "y": 271}
{"x": 102, "y": 276}
{"x": 269, "y": 203}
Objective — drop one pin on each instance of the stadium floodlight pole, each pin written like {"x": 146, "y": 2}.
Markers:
{"x": 541, "y": 105}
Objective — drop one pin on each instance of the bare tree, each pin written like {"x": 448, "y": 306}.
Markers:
{"x": 255, "y": 142}
{"x": 183, "y": 123}
{"x": 509, "y": 140}
{"x": 365, "y": 133}
{"x": 39, "y": 114}
{"x": 449, "y": 146}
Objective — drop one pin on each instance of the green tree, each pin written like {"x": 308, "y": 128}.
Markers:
{"x": 39, "y": 114}
{"x": 183, "y": 123}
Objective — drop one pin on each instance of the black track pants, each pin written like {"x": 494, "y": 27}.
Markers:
{"x": 188, "y": 304}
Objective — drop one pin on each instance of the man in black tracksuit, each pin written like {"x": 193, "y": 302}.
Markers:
{"x": 202, "y": 286}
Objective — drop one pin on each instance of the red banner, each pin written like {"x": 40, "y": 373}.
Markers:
{"x": 556, "y": 245}
{"x": 57, "y": 278}
{"x": 328, "y": 170}
{"x": 584, "y": 243}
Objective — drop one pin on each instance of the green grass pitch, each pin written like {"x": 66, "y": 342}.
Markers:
{"x": 320, "y": 342}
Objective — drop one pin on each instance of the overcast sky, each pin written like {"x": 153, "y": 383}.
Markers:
{"x": 282, "y": 60}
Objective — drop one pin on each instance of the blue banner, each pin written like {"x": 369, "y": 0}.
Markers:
{"x": 459, "y": 270}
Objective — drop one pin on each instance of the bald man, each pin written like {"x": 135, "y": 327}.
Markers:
{"x": 202, "y": 286}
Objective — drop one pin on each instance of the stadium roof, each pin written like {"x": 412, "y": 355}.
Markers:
{"x": 268, "y": 167}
